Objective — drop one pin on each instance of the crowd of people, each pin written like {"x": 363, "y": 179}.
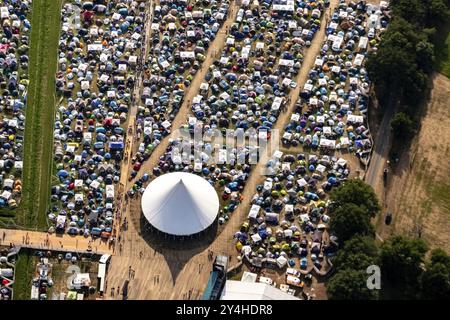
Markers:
{"x": 14, "y": 60}
{"x": 100, "y": 50}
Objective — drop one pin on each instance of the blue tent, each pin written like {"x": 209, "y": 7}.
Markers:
{"x": 332, "y": 180}
{"x": 118, "y": 145}
{"x": 62, "y": 174}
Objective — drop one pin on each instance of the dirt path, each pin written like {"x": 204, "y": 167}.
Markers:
{"x": 137, "y": 94}
{"x": 182, "y": 274}
{"x": 63, "y": 242}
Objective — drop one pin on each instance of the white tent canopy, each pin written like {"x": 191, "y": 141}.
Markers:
{"x": 238, "y": 290}
{"x": 180, "y": 204}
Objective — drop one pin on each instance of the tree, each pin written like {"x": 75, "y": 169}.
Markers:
{"x": 350, "y": 285}
{"x": 440, "y": 256}
{"x": 357, "y": 253}
{"x": 413, "y": 10}
{"x": 402, "y": 125}
{"x": 425, "y": 55}
{"x": 357, "y": 192}
{"x": 401, "y": 259}
{"x": 401, "y": 65}
{"x": 437, "y": 12}
{"x": 435, "y": 280}
{"x": 394, "y": 61}
{"x": 349, "y": 220}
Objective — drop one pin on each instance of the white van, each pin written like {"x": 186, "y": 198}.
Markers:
{"x": 337, "y": 44}
{"x": 293, "y": 272}
{"x": 142, "y": 147}
{"x": 363, "y": 41}
{"x": 374, "y": 21}
{"x": 240, "y": 15}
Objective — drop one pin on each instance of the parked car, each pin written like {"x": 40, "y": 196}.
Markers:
{"x": 388, "y": 218}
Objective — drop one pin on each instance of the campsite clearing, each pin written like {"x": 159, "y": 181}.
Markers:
{"x": 422, "y": 208}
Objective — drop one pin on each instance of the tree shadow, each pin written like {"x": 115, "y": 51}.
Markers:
{"x": 405, "y": 150}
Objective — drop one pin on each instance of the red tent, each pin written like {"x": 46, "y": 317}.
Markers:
{"x": 87, "y": 16}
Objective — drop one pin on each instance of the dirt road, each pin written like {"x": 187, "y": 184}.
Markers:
{"x": 374, "y": 175}
{"x": 137, "y": 94}
{"x": 45, "y": 241}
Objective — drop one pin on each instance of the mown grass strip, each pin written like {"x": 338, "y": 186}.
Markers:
{"x": 24, "y": 271}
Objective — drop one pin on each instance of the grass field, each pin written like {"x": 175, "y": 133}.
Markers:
{"x": 24, "y": 271}
{"x": 423, "y": 205}
{"x": 38, "y": 143}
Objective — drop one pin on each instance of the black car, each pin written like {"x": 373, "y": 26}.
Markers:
{"x": 388, "y": 218}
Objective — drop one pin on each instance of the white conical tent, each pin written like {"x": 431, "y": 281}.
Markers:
{"x": 180, "y": 204}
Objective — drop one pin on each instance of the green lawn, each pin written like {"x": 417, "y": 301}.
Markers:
{"x": 24, "y": 271}
{"x": 38, "y": 142}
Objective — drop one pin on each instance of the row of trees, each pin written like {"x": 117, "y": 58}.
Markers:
{"x": 353, "y": 205}
{"x": 405, "y": 271}
{"x": 401, "y": 66}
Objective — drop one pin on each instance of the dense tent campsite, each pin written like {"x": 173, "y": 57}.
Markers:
{"x": 98, "y": 64}
{"x": 14, "y": 46}
{"x": 247, "y": 86}
{"x": 182, "y": 32}
{"x": 288, "y": 221}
